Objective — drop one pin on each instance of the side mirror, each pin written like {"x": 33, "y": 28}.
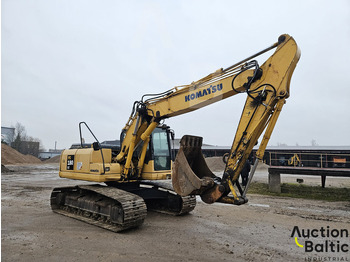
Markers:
{"x": 96, "y": 146}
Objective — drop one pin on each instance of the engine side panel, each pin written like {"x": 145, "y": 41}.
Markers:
{"x": 87, "y": 164}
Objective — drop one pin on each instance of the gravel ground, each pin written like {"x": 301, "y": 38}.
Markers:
{"x": 258, "y": 231}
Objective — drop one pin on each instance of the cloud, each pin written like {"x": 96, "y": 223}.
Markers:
{"x": 70, "y": 61}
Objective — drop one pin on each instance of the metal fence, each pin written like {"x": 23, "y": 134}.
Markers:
{"x": 320, "y": 160}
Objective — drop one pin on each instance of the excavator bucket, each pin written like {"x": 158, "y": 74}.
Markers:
{"x": 191, "y": 175}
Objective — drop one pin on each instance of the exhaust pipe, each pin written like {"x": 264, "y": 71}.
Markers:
{"x": 191, "y": 174}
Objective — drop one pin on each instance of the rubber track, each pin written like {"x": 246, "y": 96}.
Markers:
{"x": 188, "y": 202}
{"x": 134, "y": 207}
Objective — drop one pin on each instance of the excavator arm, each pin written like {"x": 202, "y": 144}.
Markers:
{"x": 267, "y": 88}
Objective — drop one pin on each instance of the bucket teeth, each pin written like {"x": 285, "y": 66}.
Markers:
{"x": 191, "y": 141}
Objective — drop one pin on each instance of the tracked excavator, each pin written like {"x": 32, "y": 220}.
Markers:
{"x": 143, "y": 174}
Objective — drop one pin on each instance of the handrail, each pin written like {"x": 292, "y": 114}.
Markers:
{"x": 99, "y": 144}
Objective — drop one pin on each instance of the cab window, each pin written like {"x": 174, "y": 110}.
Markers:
{"x": 161, "y": 151}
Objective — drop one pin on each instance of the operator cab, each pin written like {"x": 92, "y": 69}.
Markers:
{"x": 161, "y": 151}
{"x": 159, "y": 148}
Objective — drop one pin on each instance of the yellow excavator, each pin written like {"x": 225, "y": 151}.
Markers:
{"x": 143, "y": 174}
{"x": 294, "y": 161}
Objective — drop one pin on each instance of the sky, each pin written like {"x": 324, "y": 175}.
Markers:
{"x": 67, "y": 61}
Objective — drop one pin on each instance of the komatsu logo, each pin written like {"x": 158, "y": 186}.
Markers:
{"x": 210, "y": 90}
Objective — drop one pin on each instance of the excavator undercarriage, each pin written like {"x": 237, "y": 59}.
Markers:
{"x": 122, "y": 207}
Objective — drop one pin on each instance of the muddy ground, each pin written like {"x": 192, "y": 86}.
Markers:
{"x": 258, "y": 231}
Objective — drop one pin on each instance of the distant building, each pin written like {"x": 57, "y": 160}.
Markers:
{"x": 28, "y": 148}
{"x": 7, "y": 134}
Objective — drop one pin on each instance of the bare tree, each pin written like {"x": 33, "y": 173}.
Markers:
{"x": 33, "y": 139}
{"x": 20, "y": 131}
{"x": 20, "y": 135}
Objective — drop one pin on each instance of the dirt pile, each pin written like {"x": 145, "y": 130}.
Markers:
{"x": 215, "y": 163}
{"x": 55, "y": 159}
{"x": 10, "y": 156}
{"x": 262, "y": 166}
